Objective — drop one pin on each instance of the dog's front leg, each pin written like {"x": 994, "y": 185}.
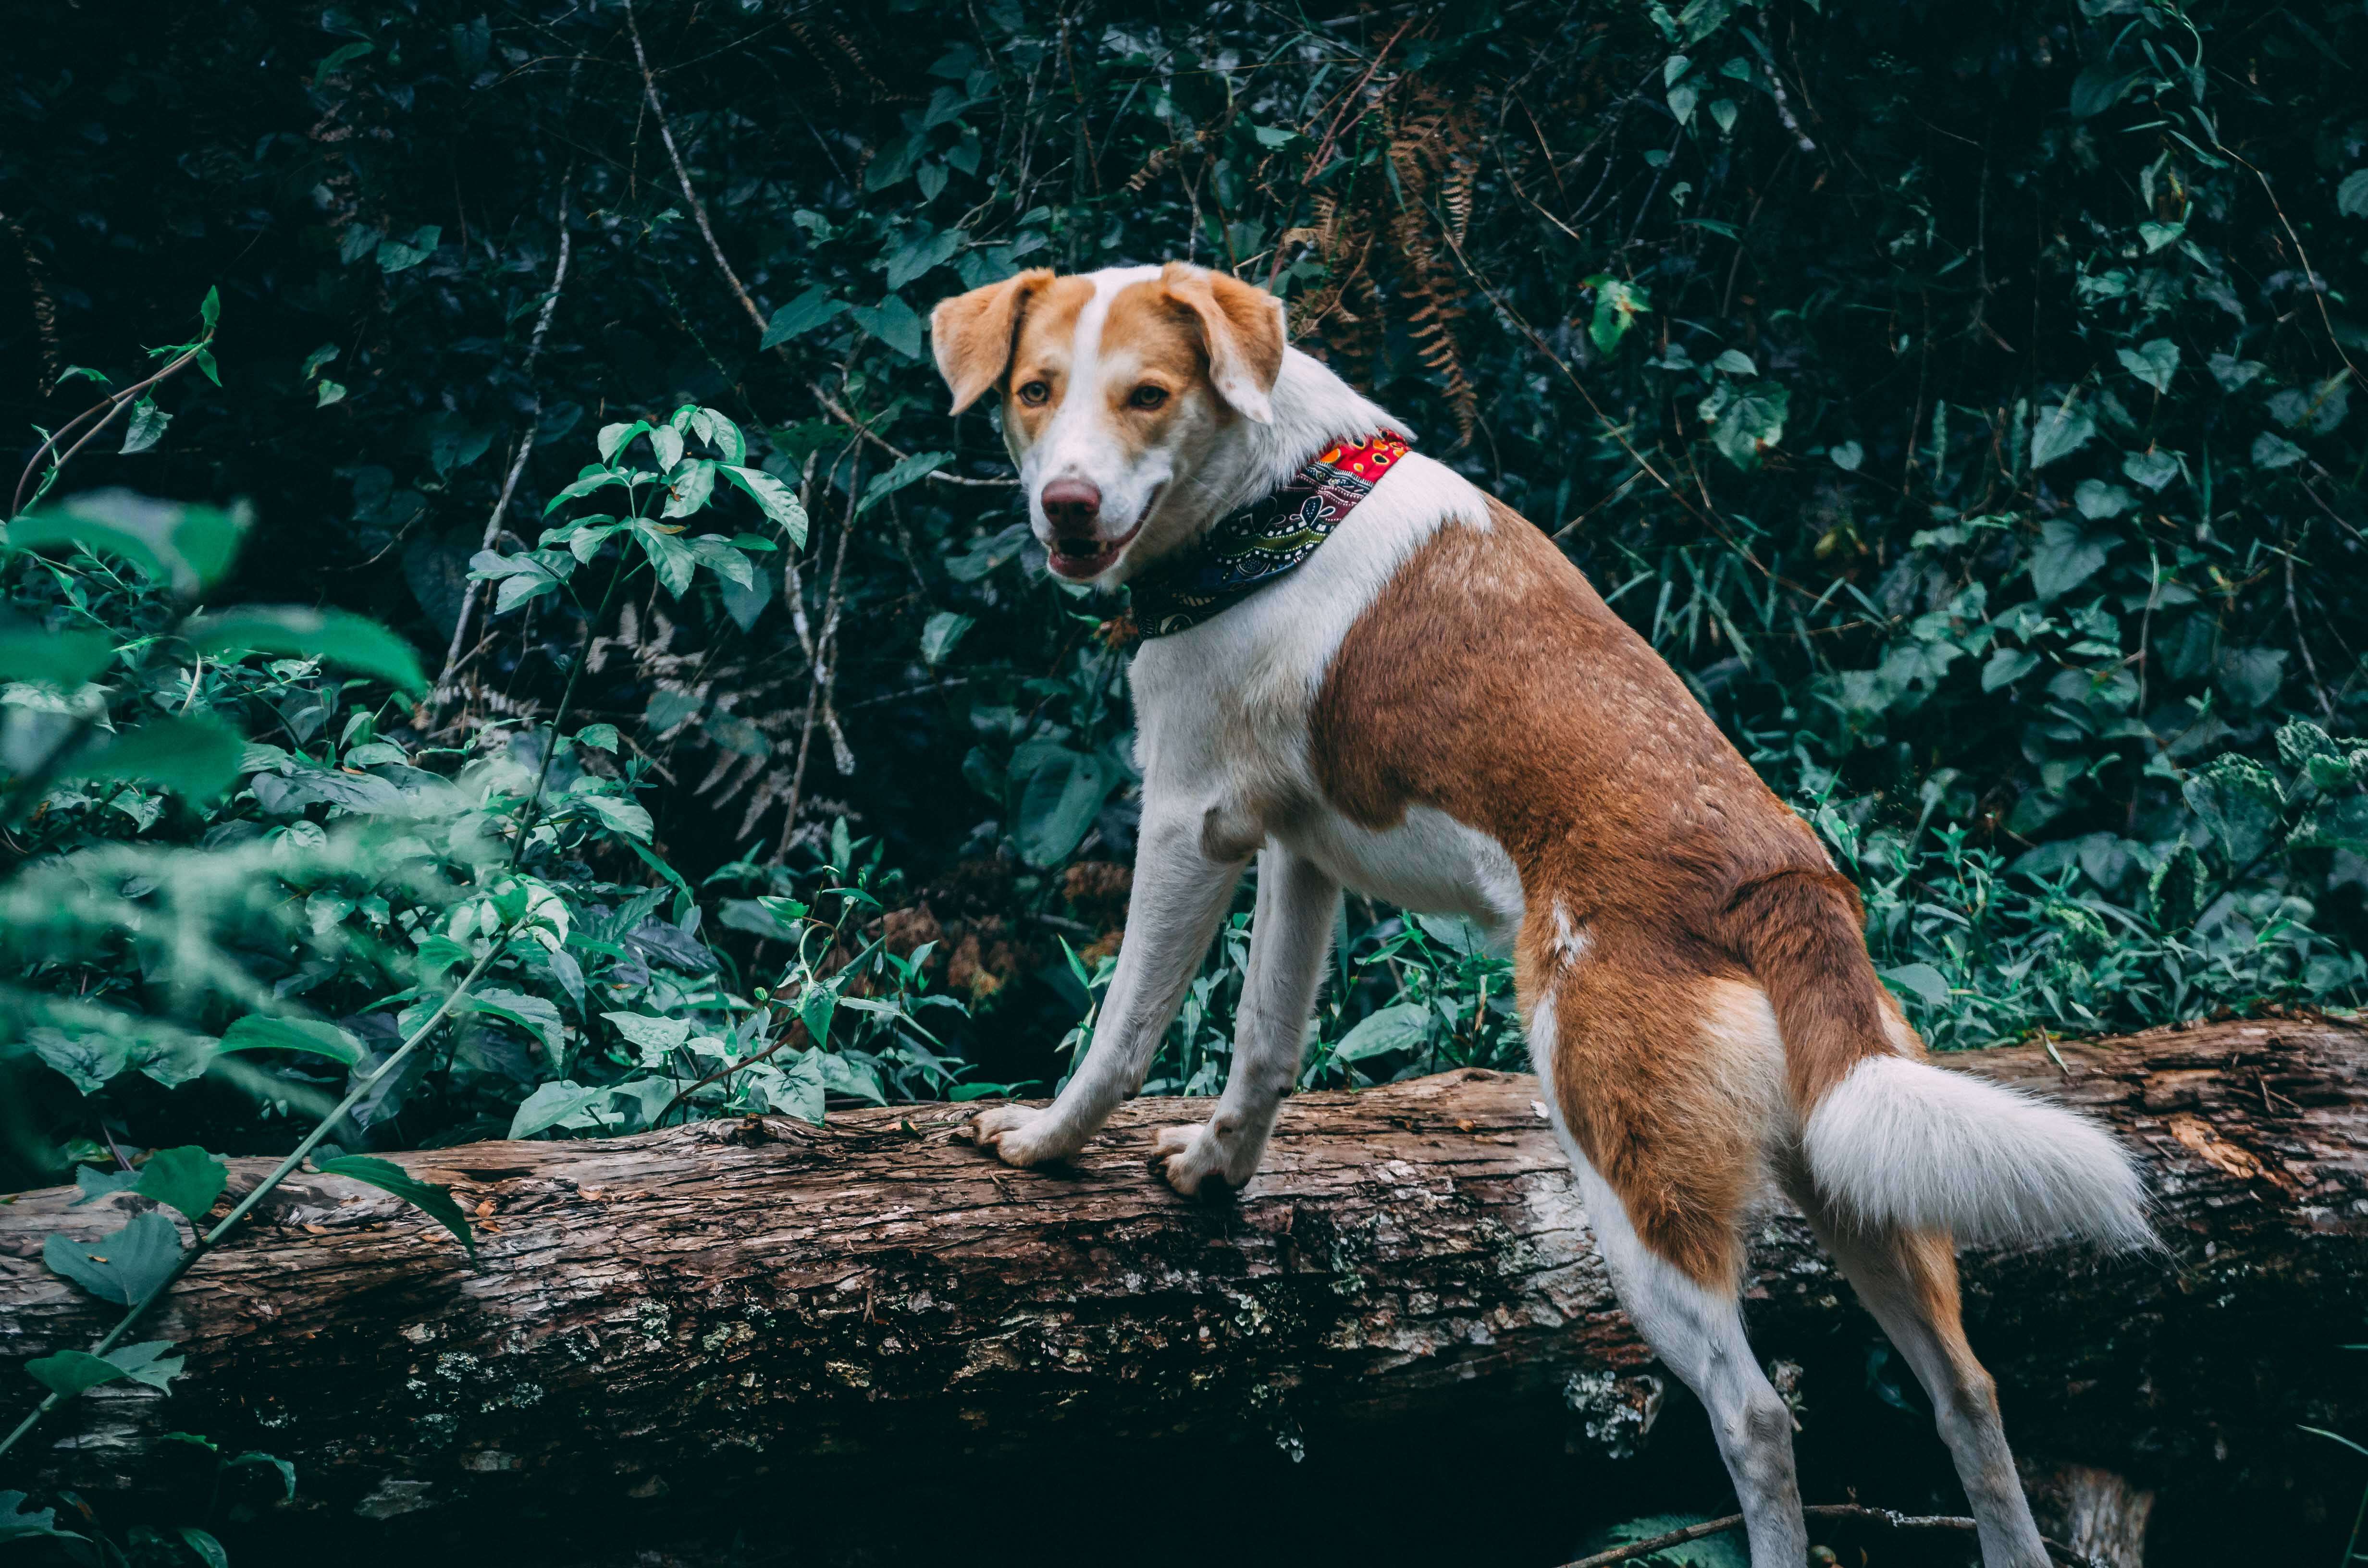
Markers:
{"x": 1181, "y": 891}
{"x": 1289, "y": 936}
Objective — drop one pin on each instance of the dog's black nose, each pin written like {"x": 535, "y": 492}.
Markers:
{"x": 1070, "y": 506}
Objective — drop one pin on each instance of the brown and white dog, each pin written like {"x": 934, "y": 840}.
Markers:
{"x": 1436, "y": 709}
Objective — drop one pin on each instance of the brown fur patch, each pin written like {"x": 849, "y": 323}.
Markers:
{"x": 1490, "y": 681}
{"x": 1041, "y": 348}
{"x": 972, "y": 335}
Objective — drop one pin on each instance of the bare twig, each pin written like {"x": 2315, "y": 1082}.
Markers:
{"x": 1849, "y": 1513}
{"x": 839, "y": 412}
{"x": 452, "y": 658}
{"x": 108, "y": 408}
{"x": 682, "y": 175}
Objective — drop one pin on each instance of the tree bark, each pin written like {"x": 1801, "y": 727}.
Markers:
{"x": 694, "y": 1308}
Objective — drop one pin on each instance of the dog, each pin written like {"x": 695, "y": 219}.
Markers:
{"x": 1378, "y": 677}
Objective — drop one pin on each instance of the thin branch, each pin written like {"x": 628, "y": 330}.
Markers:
{"x": 838, "y": 412}
{"x": 112, "y": 405}
{"x": 1852, "y": 1513}
{"x": 682, "y": 175}
{"x": 525, "y": 447}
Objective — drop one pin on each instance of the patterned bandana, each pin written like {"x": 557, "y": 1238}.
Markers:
{"x": 1251, "y": 548}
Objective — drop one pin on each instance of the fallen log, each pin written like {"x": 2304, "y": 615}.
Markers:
{"x": 686, "y": 1311}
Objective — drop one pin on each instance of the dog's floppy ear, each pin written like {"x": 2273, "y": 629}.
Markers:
{"x": 972, "y": 334}
{"x": 1241, "y": 324}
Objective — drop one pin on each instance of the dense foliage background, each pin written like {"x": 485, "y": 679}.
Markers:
{"x": 1958, "y": 395}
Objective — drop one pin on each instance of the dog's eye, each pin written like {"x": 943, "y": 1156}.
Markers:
{"x": 1147, "y": 396}
{"x": 1034, "y": 394}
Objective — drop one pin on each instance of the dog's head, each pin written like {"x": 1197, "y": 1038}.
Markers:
{"x": 1116, "y": 384}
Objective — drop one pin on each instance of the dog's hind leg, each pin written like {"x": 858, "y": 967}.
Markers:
{"x": 1908, "y": 1281}
{"x": 1666, "y": 1079}
{"x": 1290, "y": 934}
{"x": 1181, "y": 892}
{"x": 1697, "y": 1331}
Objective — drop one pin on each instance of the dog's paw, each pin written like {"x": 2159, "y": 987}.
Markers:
{"x": 1014, "y": 1132}
{"x": 1189, "y": 1160}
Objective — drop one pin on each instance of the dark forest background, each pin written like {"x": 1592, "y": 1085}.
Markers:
{"x": 1958, "y": 396}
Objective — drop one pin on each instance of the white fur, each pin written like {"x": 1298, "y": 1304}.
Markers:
{"x": 1698, "y": 1334}
{"x": 1903, "y": 1143}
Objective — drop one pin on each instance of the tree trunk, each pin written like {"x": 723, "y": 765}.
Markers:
{"x": 694, "y": 1308}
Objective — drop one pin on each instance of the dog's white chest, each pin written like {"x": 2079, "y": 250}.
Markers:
{"x": 1429, "y": 863}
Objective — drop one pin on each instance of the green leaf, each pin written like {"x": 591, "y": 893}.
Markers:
{"x": 147, "y": 426}
{"x": 1745, "y": 424}
{"x": 2061, "y": 430}
{"x": 88, "y": 1060}
{"x": 343, "y": 54}
{"x": 649, "y": 1033}
{"x": 2240, "y": 802}
{"x": 2250, "y": 677}
{"x": 716, "y": 553}
{"x": 434, "y": 1201}
{"x": 891, "y": 321}
{"x": 536, "y": 1015}
{"x": 619, "y": 816}
{"x": 210, "y": 1550}
{"x": 72, "y": 1372}
{"x": 689, "y": 488}
{"x": 744, "y": 604}
{"x": 2095, "y": 499}
{"x": 196, "y": 756}
{"x": 2152, "y": 362}
{"x": 334, "y": 636}
{"x": 256, "y": 1032}
{"x": 187, "y": 548}
{"x": 2272, "y": 450}
{"x": 776, "y": 500}
{"x": 186, "y": 1178}
{"x": 553, "y": 1103}
{"x": 1920, "y": 980}
{"x": 2336, "y": 823}
{"x": 2006, "y": 666}
{"x": 599, "y": 737}
{"x": 2351, "y": 196}
{"x": 2065, "y": 558}
{"x": 670, "y": 558}
{"x": 61, "y": 659}
{"x": 121, "y": 1267}
{"x": 614, "y": 438}
{"x": 1064, "y": 791}
{"x": 908, "y": 471}
{"x": 1401, "y": 1026}
{"x": 585, "y": 486}
{"x": 399, "y": 256}
{"x": 940, "y": 635}
{"x": 94, "y": 1184}
{"x": 1846, "y": 455}
{"x": 2175, "y": 892}
{"x": 919, "y": 253}
{"x": 2097, "y": 89}
{"x": 1617, "y": 306}
{"x": 19, "y": 1523}
{"x": 2152, "y": 469}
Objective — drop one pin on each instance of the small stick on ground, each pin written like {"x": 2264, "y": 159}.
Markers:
{"x": 1846, "y": 1513}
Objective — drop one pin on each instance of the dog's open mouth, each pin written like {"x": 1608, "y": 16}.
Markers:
{"x": 1080, "y": 558}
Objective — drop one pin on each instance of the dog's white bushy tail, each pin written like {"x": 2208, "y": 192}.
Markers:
{"x": 1899, "y": 1141}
